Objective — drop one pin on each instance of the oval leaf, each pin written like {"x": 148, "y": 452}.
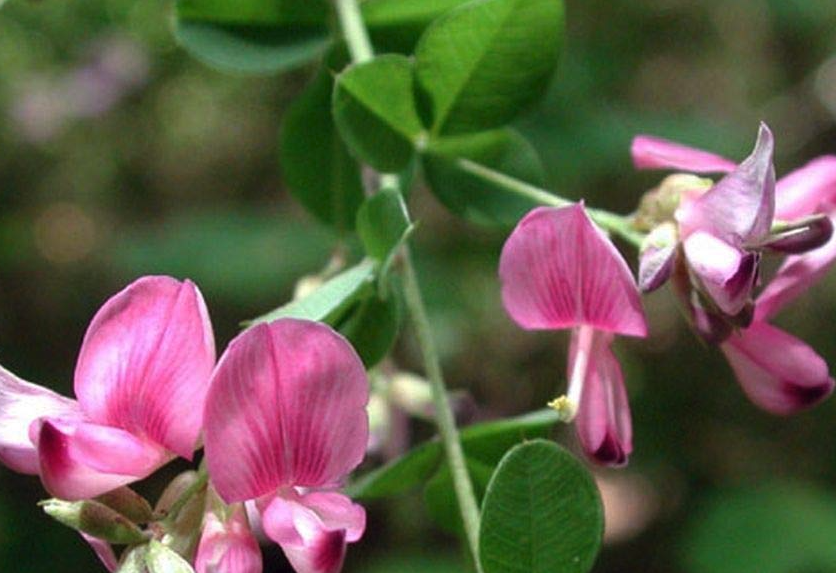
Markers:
{"x": 541, "y": 513}
{"x": 483, "y": 63}
{"x": 316, "y": 164}
{"x": 253, "y": 36}
{"x": 474, "y": 197}
{"x": 383, "y": 223}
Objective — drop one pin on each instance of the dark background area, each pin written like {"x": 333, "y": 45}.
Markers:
{"x": 120, "y": 155}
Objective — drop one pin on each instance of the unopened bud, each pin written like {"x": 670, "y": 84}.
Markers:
{"x": 182, "y": 533}
{"x": 161, "y": 559}
{"x": 129, "y": 503}
{"x": 133, "y": 561}
{"x": 228, "y": 545}
{"x": 174, "y": 491}
{"x": 659, "y": 205}
{"x": 657, "y": 257}
{"x": 95, "y": 519}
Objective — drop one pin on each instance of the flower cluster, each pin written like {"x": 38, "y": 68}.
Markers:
{"x": 282, "y": 415}
{"x": 558, "y": 270}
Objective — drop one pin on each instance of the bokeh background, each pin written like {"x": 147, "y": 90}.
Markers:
{"x": 120, "y": 155}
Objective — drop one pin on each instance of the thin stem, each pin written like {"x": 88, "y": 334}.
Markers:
{"x": 359, "y": 45}
{"x": 617, "y": 224}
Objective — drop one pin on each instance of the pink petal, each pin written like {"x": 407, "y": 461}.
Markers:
{"x": 559, "y": 271}
{"x": 797, "y": 274}
{"x": 146, "y": 361}
{"x": 656, "y": 153}
{"x": 726, "y": 273}
{"x": 286, "y": 407}
{"x": 603, "y": 420}
{"x": 21, "y": 403}
{"x": 656, "y": 265}
{"x": 739, "y": 209}
{"x": 810, "y": 189}
{"x": 778, "y": 372}
{"x": 228, "y": 547}
{"x": 804, "y": 235}
{"x": 103, "y": 551}
{"x": 81, "y": 460}
{"x": 313, "y": 529}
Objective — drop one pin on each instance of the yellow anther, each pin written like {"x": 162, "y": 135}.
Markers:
{"x": 566, "y": 408}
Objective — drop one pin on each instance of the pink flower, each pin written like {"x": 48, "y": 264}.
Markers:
{"x": 558, "y": 271}
{"x": 228, "y": 546}
{"x": 141, "y": 378}
{"x": 285, "y": 423}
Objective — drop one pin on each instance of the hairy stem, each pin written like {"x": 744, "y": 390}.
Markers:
{"x": 359, "y": 45}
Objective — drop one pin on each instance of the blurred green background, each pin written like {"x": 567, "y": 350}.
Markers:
{"x": 120, "y": 155}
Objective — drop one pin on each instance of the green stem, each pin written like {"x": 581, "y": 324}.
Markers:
{"x": 617, "y": 224}
{"x": 359, "y": 45}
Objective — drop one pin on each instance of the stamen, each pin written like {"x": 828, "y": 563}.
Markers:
{"x": 566, "y": 409}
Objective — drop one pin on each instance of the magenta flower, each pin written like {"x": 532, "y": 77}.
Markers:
{"x": 141, "y": 378}
{"x": 285, "y": 423}
{"x": 558, "y": 271}
{"x": 228, "y": 546}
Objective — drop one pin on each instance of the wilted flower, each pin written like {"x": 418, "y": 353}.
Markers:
{"x": 141, "y": 378}
{"x": 285, "y": 423}
{"x": 559, "y": 271}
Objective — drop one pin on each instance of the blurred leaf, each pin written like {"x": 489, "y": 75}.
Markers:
{"x": 486, "y": 61}
{"x": 396, "y": 25}
{"x": 332, "y": 300}
{"x": 469, "y": 196}
{"x": 541, "y": 513}
{"x": 776, "y": 528}
{"x": 253, "y": 36}
{"x": 433, "y": 562}
{"x": 372, "y": 327}
{"x": 317, "y": 167}
{"x": 374, "y": 109}
{"x": 440, "y": 494}
{"x": 383, "y": 223}
{"x": 485, "y": 443}
{"x": 161, "y": 559}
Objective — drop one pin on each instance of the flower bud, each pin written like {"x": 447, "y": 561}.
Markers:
{"x": 129, "y": 503}
{"x": 174, "y": 490}
{"x": 161, "y": 559}
{"x": 95, "y": 519}
{"x": 659, "y": 205}
{"x": 228, "y": 546}
{"x": 658, "y": 254}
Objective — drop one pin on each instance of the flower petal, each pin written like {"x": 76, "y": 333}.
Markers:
{"x": 603, "y": 420}
{"x": 228, "y": 547}
{"x": 559, "y": 271}
{"x": 146, "y": 361}
{"x": 79, "y": 460}
{"x": 810, "y": 189}
{"x": 726, "y": 273}
{"x": 21, "y": 403}
{"x": 104, "y": 552}
{"x": 778, "y": 372}
{"x": 313, "y": 529}
{"x": 797, "y": 274}
{"x": 286, "y": 407}
{"x": 656, "y": 265}
{"x": 656, "y": 153}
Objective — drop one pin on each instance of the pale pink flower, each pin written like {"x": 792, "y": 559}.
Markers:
{"x": 228, "y": 546}
{"x": 141, "y": 378}
{"x": 285, "y": 423}
{"x": 558, "y": 270}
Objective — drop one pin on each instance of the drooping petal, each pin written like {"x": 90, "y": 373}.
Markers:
{"x": 603, "y": 420}
{"x": 810, "y": 189}
{"x": 739, "y": 209}
{"x": 313, "y": 529}
{"x": 656, "y": 153}
{"x": 228, "y": 547}
{"x": 778, "y": 372}
{"x": 146, "y": 361}
{"x": 79, "y": 460}
{"x": 797, "y": 274}
{"x": 21, "y": 403}
{"x": 559, "y": 271}
{"x": 286, "y": 407}
{"x": 727, "y": 273}
{"x": 104, "y": 552}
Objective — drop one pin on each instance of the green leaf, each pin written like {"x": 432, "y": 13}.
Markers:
{"x": 372, "y": 327}
{"x": 396, "y": 25}
{"x": 484, "y": 443}
{"x": 374, "y": 109}
{"x": 541, "y": 513}
{"x": 253, "y": 36}
{"x": 317, "y": 167}
{"x": 383, "y": 223}
{"x": 470, "y": 196}
{"x": 485, "y": 62}
{"x": 440, "y": 494}
{"x": 161, "y": 559}
{"x": 330, "y": 302}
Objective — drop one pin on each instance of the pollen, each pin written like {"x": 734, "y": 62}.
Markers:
{"x": 565, "y": 407}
